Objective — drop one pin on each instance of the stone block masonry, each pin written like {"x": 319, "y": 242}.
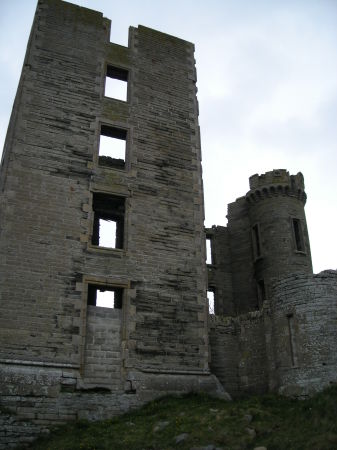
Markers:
{"x": 61, "y": 355}
{"x": 65, "y": 353}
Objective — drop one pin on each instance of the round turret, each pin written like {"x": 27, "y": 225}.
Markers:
{"x": 279, "y": 231}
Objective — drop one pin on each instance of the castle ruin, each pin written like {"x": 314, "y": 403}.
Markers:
{"x": 65, "y": 353}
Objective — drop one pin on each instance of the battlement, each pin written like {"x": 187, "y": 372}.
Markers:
{"x": 276, "y": 182}
{"x": 276, "y": 176}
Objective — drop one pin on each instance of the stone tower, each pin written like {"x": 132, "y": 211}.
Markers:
{"x": 60, "y": 188}
{"x": 266, "y": 238}
{"x": 279, "y": 231}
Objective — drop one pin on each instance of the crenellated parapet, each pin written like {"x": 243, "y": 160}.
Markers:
{"x": 276, "y": 183}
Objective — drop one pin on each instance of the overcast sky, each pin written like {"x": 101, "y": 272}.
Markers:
{"x": 267, "y": 81}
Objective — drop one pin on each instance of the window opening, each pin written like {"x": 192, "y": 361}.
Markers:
{"x": 256, "y": 241}
{"x": 116, "y": 85}
{"x": 112, "y": 146}
{"x": 299, "y": 244}
{"x": 209, "y": 255}
{"x": 105, "y": 297}
{"x": 108, "y": 229}
{"x": 211, "y": 303}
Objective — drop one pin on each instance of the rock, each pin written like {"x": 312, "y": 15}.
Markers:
{"x": 207, "y": 447}
{"x": 260, "y": 448}
{"x": 160, "y": 426}
{"x": 248, "y": 418}
{"x": 251, "y": 432}
{"x": 181, "y": 438}
{"x": 130, "y": 424}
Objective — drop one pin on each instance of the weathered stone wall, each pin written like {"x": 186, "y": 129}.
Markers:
{"x": 289, "y": 346}
{"x": 274, "y": 200}
{"x": 224, "y": 349}
{"x": 304, "y": 332}
{"x": 102, "y": 363}
{"x": 220, "y": 271}
{"x": 238, "y": 352}
{"x": 60, "y": 357}
{"x": 240, "y": 242}
{"x": 259, "y": 244}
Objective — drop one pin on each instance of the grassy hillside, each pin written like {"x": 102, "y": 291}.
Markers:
{"x": 197, "y": 421}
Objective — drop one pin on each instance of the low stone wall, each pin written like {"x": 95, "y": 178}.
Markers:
{"x": 238, "y": 352}
{"x": 35, "y": 397}
{"x": 304, "y": 330}
{"x": 289, "y": 346}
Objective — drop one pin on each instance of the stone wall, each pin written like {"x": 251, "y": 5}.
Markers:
{"x": 62, "y": 357}
{"x": 220, "y": 271}
{"x": 304, "y": 332}
{"x": 288, "y": 346}
{"x": 238, "y": 353}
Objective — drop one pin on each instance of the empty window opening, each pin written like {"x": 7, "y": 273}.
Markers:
{"x": 105, "y": 297}
{"x": 108, "y": 229}
{"x": 256, "y": 240}
{"x": 107, "y": 233}
{"x": 116, "y": 83}
{"x": 112, "y": 147}
{"x": 209, "y": 255}
{"x": 298, "y": 235}
{"x": 211, "y": 299}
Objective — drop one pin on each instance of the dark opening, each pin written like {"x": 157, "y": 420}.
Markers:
{"x": 112, "y": 147}
{"x": 108, "y": 229}
{"x": 298, "y": 235}
{"x": 117, "y": 73}
{"x": 116, "y": 83}
{"x": 256, "y": 241}
{"x": 103, "y": 296}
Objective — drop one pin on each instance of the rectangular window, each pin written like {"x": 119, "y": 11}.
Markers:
{"x": 211, "y": 301}
{"x": 209, "y": 254}
{"x": 105, "y": 296}
{"x": 256, "y": 240}
{"x": 112, "y": 147}
{"x": 116, "y": 83}
{"x": 298, "y": 235}
{"x": 108, "y": 228}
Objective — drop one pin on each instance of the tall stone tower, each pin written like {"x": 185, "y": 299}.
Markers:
{"x": 279, "y": 231}
{"x": 266, "y": 239}
{"x": 61, "y": 188}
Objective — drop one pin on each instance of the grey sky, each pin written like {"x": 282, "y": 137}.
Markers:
{"x": 267, "y": 80}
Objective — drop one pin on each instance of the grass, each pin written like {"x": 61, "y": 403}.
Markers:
{"x": 271, "y": 421}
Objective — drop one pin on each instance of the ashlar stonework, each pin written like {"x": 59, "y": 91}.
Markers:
{"x": 65, "y": 354}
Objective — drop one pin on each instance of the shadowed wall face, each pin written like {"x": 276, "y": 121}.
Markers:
{"x": 60, "y": 187}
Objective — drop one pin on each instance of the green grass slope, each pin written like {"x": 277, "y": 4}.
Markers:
{"x": 196, "y": 421}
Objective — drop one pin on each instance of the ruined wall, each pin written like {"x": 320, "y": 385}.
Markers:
{"x": 275, "y": 200}
{"x": 239, "y": 354}
{"x": 224, "y": 350}
{"x": 289, "y": 346}
{"x": 304, "y": 333}
{"x": 220, "y": 271}
{"x": 53, "y": 180}
{"x": 266, "y": 238}
{"x": 239, "y": 229}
